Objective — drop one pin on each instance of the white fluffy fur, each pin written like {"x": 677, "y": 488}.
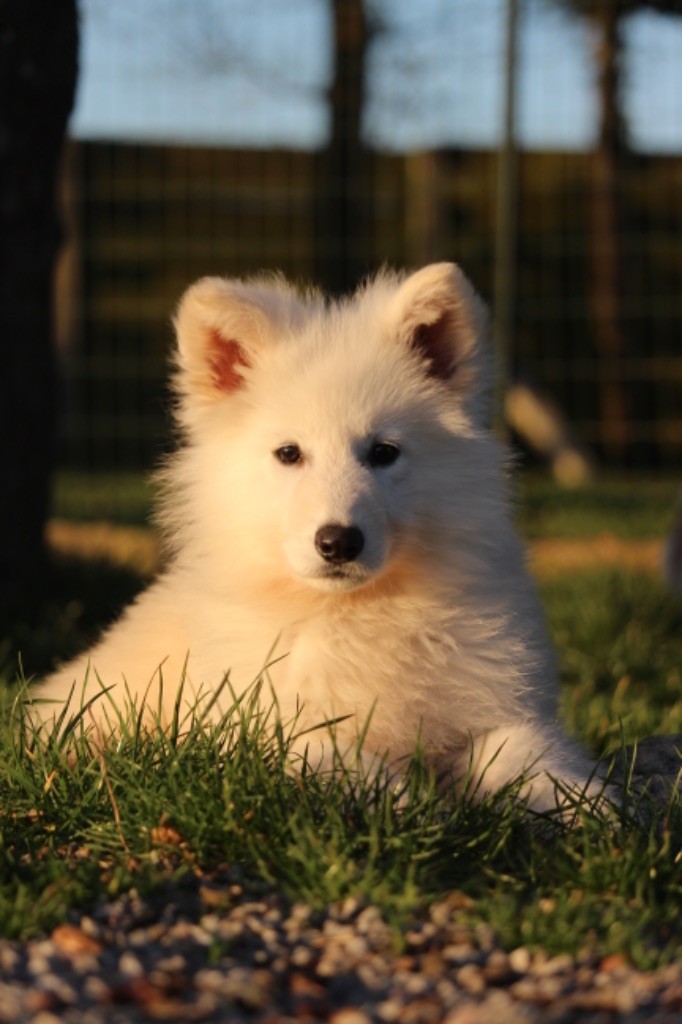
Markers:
{"x": 435, "y": 629}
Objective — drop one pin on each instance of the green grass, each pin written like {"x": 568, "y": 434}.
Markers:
{"x": 149, "y": 810}
{"x": 627, "y": 507}
{"x": 619, "y": 636}
{"x": 124, "y": 498}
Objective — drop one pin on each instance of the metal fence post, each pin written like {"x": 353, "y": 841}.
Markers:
{"x": 506, "y": 219}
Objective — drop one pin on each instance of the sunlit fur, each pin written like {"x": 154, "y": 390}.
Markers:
{"x": 435, "y": 629}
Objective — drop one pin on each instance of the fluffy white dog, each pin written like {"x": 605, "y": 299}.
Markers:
{"x": 340, "y": 496}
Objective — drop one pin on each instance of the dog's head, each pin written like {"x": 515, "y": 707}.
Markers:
{"x": 332, "y": 442}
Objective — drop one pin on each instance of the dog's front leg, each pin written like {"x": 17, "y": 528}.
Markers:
{"x": 555, "y": 772}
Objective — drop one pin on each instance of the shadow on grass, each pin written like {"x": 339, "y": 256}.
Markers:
{"x": 80, "y": 597}
{"x": 619, "y": 639}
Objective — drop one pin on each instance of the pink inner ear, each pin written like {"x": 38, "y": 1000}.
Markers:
{"x": 225, "y": 357}
{"x": 434, "y": 341}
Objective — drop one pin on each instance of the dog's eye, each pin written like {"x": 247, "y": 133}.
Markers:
{"x": 288, "y": 454}
{"x": 383, "y": 453}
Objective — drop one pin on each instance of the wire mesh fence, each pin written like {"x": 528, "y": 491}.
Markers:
{"x": 369, "y": 172}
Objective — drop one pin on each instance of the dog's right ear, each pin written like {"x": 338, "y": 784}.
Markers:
{"x": 221, "y": 325}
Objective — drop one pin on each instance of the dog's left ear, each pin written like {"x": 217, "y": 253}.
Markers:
{"x": 440, "y": 316}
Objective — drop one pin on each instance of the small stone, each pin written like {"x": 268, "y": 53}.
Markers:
{"x": 302, "y": 985}
{"x": 485, "y": 936}
{"x": 421, "y": 1011}
{"x": 390, "y": 1009}
{"x": 59, "y": 988}
{"x": 454, "y": 903}
{"x": 211, "y": 923}
{"x": 38, "y": 964}
{"x": 499, "y": 1006}
{"x": 332, "y": 927}
{"x": 462, "y": 953}
{"x": 416, "y": 939}
{"x": 172, "y": 964}
{"x": 90, "y": 927}
{"x": 374, "y": 974}
{"x": 497, "y": 970}
{"x": 461, "y": 935}
{"x": 357, "y": 947}
{"x": 330, "y": 964}
{"x": 301, "y": 956}
{"x": 367, "y": 918}
{"x": 9, "y": 958}
{"x": 165, "y": 835}
{"x": 298, "y": 915}
{"x": 349, "y": 1015}
{"x": 143, "y": 936}
{"x": 520, "y": 960}
{"x": 416, "y": 985}
{"x": 540, "y": 992}
{"x": 614, "y": 962}
{"x": 349, "y": 908}
{"x": 11, "y": 1008}
{"x": 209, "y": 980}
{"x": 609, "y": 999}
{"x": 584, "y": 977}
{"x": 466, "y": 1014}
{"x": 38, "y": 1000}
{"x": 129, "y": 965}
{"x": 96, "y": 989}
{"x": 448, "y": 993}
{"x": 433, "y": 965}
{"x": 561, "y": 964}
{"x": 70, "y": 941}
{"x": 309, "y": 997}
{"x": 251, "y": 988}
{"x": 471, "y": 979}
{"x": 215, "y": 897}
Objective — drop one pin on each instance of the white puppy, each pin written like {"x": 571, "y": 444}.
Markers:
{"x": 340, "y": 496}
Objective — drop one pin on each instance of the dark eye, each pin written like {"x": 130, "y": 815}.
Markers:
{"x": 383, "y": 453}
{"x": 288, "y": 454}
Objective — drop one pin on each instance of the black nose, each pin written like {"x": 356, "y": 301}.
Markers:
{"x": 339, "y": 544}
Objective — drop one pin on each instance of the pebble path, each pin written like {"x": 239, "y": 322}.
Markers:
{"x": 212, "y": 952}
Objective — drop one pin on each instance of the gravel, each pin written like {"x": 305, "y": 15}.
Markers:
{"x": 210, "y": 951}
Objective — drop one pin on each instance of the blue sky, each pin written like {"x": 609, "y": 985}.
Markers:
{"x": 244, "y": 72}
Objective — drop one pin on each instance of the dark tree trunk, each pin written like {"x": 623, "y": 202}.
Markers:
{"x": 343, "y": 221}
{"x": 606, "y": 237}
{"x": 38, "y": 62}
